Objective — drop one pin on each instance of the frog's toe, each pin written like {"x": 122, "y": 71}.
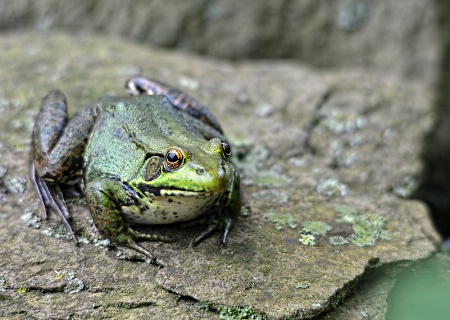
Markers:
{"x": 226, "y": 225}
{"x": 58, "y": 204}
{"x": 133, "y": 245}
{"x": 139, "y": 236}
{"x": 51, "y": 197}
{"x": 130, "y": 238}
{"x": 205, "y": 234}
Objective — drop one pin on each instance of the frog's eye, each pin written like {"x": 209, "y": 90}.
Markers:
{"x": 226, "y": 149}
{"x": 174, "y": 158}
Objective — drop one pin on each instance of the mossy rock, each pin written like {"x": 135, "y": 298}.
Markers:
{"x": 290, "y": 127}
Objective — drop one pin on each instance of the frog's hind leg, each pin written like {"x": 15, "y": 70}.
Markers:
{"x": 57, "y": 145}
{"x": 49, "y": 126}
{"x": 178, "y": 99}
{"x": 51, "y": 196}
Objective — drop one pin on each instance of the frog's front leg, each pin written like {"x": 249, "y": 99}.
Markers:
{"x": 230, "y": 208}
{"x": 105, "y": 198}
{"x": 56, "y": 151}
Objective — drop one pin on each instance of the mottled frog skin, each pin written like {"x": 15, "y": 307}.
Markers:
{"x": 155, "y": 157}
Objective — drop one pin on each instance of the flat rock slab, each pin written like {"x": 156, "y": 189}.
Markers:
{"x": 325, "y": 160}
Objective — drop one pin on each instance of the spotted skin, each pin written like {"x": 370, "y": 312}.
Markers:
{"x": 172, "y": 206}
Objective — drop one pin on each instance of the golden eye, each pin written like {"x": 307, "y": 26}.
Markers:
{"x": 226, "y": 149}
{"x": 174, "y": 158}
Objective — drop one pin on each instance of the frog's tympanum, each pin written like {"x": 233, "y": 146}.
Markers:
{"x": 155, "y": 157}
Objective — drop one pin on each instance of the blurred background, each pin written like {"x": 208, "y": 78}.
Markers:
{"x": 405, "y": 39}
{"x": 395, "y": 37}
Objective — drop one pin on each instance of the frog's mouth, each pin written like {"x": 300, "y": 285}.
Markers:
{"x": 156, "y": 192}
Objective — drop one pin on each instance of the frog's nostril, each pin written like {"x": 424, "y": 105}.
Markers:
{"x": 200, "y": 171}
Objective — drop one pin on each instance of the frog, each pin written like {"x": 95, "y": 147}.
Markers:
{"x": 156, "y": 156}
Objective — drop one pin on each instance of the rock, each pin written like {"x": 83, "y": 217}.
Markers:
{"x": 389, "y": 36}
{"x": 319, "y": 171}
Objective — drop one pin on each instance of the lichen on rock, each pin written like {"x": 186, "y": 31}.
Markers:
{"x": 291, "y": 182}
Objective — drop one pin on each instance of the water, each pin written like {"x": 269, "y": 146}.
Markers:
{"x": 422, "y": 291}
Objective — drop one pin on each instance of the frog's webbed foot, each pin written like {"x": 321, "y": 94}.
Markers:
{"x": 51, "y": 197}
{"x": 226, "y": 225}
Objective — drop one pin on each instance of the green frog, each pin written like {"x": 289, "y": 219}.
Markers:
{"x": 155, "y": 157}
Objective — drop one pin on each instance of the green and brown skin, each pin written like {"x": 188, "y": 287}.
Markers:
{"x": 143, "y": 159}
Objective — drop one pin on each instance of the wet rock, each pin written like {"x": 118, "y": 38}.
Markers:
{"x": 315, "y": 231}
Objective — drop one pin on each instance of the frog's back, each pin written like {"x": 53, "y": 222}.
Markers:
{"x": 127, "y": 129}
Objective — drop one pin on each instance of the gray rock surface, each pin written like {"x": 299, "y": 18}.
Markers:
{"x": 389, "y": 36}
{"x": 325, "y": 159}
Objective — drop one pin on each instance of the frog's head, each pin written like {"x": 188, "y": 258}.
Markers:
{"x": 197, "y": 168}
